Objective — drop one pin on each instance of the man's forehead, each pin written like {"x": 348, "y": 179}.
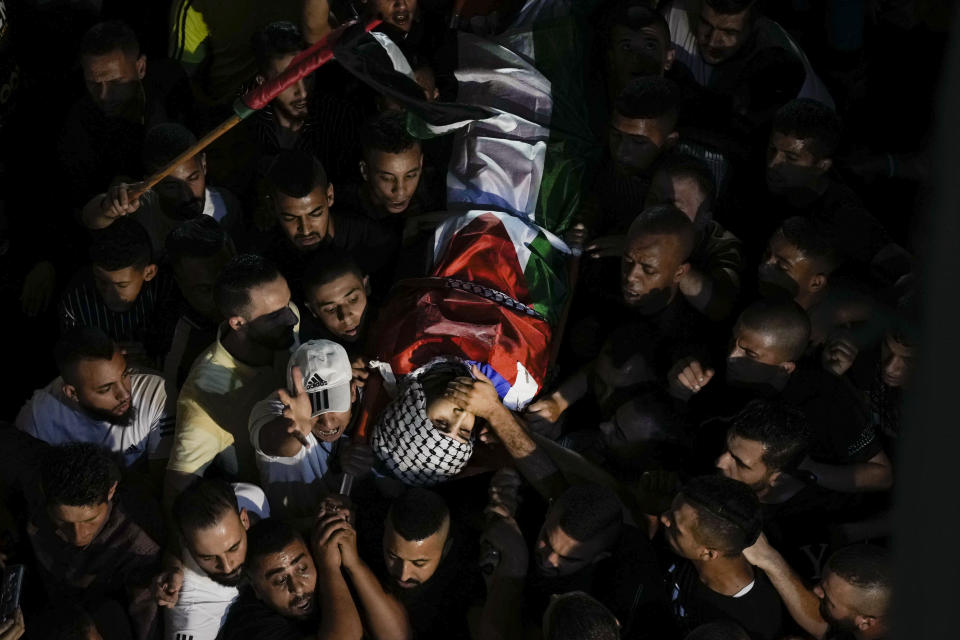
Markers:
{"x": 652, "y": 246}
{"x": 283, "y": 559}
{"x": 622, "y": 31}
{"x": 425, "y": 549}
{"x": 646, "y": 127}
{"x": 405, "y": 160}
{"x": 103, "y": 63}
{"x": 785, "y": 141}
{"x": 292, "y": 205}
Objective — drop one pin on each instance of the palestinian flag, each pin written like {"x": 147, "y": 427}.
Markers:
{"x": 522, "y": 145}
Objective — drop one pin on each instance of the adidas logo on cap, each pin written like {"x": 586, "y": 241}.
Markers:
{"x": 315, "y": 382}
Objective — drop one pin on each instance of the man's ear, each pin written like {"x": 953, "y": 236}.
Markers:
{"x": 259, "y": 79}
{"x": 818, "y": 282}
{"x": 149, "y": 272}
{"x": 309, "y": 306}
{"x": 70, "y": 391}
{"x": 366, "y": 284}
{"x": 435, "y": 95}
{"x": 671, "y": 140}
{"x": 708, "y": 554}
{"x": 203, "y": 163}
{"x": 330, "y": 195}
{"x": 244, "y": 519}
{"x": 671, "y": 56}
{"x": 863, "y": 623}
{"x": 789, "y": 367}
{"x": 363, "y": 171}
{"x": 113, "y": 490}
{"x": 682, "y": 270}
{"x": 236, "y": 322}
{"x": 824, "y": 165}
{"x": 774, "y": 478}
{"x": 141, "y": 66}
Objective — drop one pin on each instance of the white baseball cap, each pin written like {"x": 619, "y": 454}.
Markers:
{"x": 326, "y": 371}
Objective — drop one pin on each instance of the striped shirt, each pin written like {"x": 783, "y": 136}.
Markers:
{"x": 55, "y": 419}
{"x": 82, "y": 305}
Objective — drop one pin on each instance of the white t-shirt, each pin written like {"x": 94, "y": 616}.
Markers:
{"x": 680, "y": 15}
{"x": 52, "y": 417}
{"x": 295, "y": 485}
{"x": 203, "y": 603}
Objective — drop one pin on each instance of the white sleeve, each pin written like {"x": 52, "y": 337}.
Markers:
{"x": 197, "y": 615}
{"x": 153, "y": 399}
{"x": 262, "y": 413}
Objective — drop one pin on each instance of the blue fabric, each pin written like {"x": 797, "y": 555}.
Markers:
{"x": 499, "y": 382}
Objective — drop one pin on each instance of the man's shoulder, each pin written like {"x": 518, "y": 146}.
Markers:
{"x": 248, "y": 617}
{"x": 46, "y": 409}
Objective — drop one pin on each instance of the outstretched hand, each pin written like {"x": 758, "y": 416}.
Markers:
{"x": 297, "y": 409}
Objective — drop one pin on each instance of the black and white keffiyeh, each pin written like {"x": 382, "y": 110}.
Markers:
{"x": 405, "y": 440}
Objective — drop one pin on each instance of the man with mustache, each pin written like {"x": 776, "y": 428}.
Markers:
{"x": 98, "y": 399}
{"x": 300, "y": 591}
{"x": 661, "y": 324}
{"x": 212, "y": 518}
{"x": 245, "y": 363}
{"x": 300, "y": 196}
{"x": 852, "y": 600}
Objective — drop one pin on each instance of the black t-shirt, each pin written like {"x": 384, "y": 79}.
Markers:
{"x": 248, "y": 618}
{"x": 840, "y": 429}
{"x": 759, "y": 611}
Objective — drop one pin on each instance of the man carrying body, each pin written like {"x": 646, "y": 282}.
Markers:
{"x": 294, "y": 593}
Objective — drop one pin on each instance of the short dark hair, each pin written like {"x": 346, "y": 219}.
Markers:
{"x": 650, "y": 97}
{"x": 783, "y": 319}
{"x": 386, "y": 132}
{"x": 61, "y": 621}
{"x": 578, "y": 616}
{"x": 231, "y": 293}
{"x": 732, "y": 7}
{"x": 327, "y": 266}
{"x": 296, "y": 174}
{"x": 634, "y": 15}
{"x": 270, "y": 535}
{"x": 588, "y": 510}
{"x": 665, "y": 220}
{"x": 202, "y": 504}
{"x": 780, "y": 428}
{"x": 164, "y": 142}
{"x": 865, "y": 566}
{"x": 418, "y": 514}
{"x": 200, "y": 237}
{"x": 125, "y": 243}
{"x": 728, "y": 513}
{"x": 809, "y": 119}
{"x": 814, "y": 242}
{"x": 78, "y": 474}
{"x": 683, "y": 165}
{"x": 107, "y": 37}
{"x": 276, "y": 40}
{"x": 718, "y": 630}
{"x": 82, "y": 343}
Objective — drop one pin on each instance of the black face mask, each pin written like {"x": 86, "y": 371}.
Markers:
{"x": 776, "y": 284}
{"x": 765, "y": 379}
{"x": 274, "y": 331}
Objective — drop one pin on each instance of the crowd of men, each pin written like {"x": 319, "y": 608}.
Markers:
{"x": 185, "y": 451}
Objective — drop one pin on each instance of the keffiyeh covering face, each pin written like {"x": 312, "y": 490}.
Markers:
{"x": 405, "y": 440}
